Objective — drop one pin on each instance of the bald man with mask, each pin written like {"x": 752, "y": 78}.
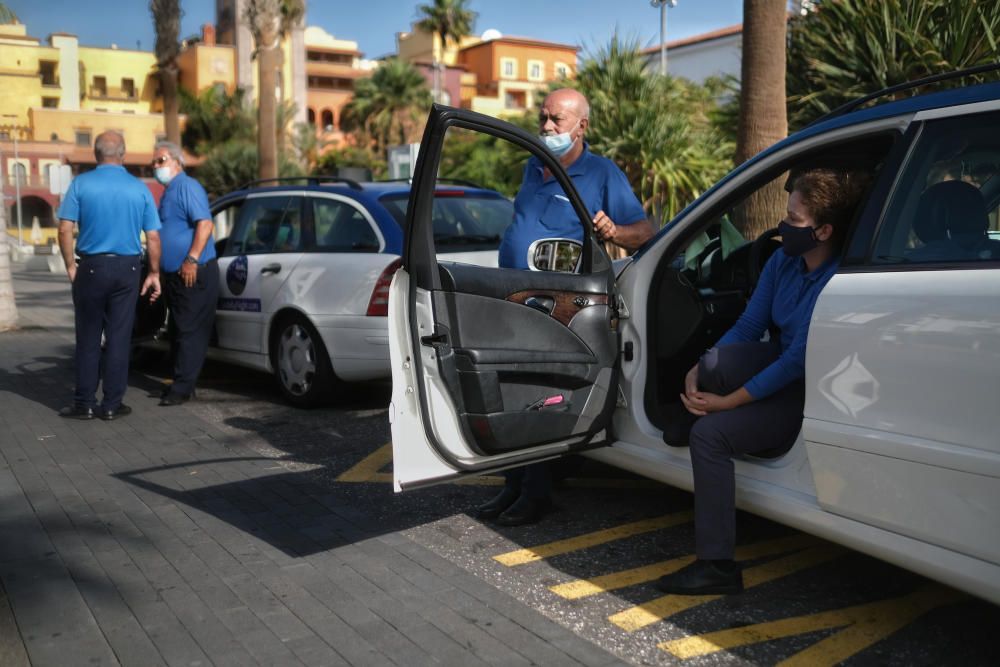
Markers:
{"x": 618, "y": 217}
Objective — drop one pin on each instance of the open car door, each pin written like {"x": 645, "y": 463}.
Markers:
{"x": 495, "y": 367}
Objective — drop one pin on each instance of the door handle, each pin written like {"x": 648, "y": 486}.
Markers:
{"x": 271, "y": 268}
{"x": 543, "y": 303}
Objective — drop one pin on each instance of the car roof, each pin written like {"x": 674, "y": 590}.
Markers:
{"x": 357, "y": 190}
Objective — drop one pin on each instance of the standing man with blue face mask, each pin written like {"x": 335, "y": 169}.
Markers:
{"x": 541, "y": 210}
{"x": 618, "y": 214}
{"x": 189, "y": 269}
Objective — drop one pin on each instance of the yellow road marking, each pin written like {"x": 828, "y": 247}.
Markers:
{"x": 369, "y": 470}
{"x": 581, "y": 588}
{"x": 532, "y": 554}
{"x": 863, "y": 626}
{"x": 638, "y": 617}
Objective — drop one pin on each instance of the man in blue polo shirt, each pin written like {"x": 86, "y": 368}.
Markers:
{"x": 190, "y": 271}
{"x": 112, "y": 208}
{"x": 542, "y": 210}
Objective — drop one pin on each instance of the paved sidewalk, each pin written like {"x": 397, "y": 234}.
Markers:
{"x": 148, "y": 541}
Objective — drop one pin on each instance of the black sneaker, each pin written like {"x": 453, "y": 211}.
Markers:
{"x": 704, "y": 577}
{"x": 77, "y": 412}
{"x": 524, "y": 511}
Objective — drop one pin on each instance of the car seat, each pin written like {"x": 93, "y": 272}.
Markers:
{"x": 952, "y": 224}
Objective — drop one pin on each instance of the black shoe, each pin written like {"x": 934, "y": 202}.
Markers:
{"x": 174, "y": 399}
{"x": 703, "y": 577}
{"x": 121, "y": 411}
{"x": 524, "y": 511}
{"x": 496, "y": 506}
{"x": 77, "y": 412}
{"x": 165, "y": 391}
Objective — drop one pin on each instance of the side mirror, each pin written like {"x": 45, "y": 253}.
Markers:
{"x": 562, "y": 255}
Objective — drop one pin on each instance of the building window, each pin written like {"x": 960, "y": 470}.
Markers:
{"x": 50, "y": 102}
{"x": 53, "y": 137}
{"x": 4, "y": 135}
{"x": 100, "y": 88}
{"x": 330, "y": 83}
{"x": 47, "y": 70}
{"x": 311, "y": 116}
{"x": 83, "y": 138}
{"x": 508, "y": 68}
{"x": 128, "y": 88}
{"x": 324, "y": 57}
{"x": 327, "y": 120}
{"x": 536, "y": 70}
{"x": 515, "y": 99}
{"x": 19, "y": 173}
{"x": 562, "y": 71}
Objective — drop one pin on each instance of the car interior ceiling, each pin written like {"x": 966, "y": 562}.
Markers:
{"x": 694, "y": 301}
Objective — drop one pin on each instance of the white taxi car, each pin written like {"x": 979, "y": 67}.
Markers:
{"x": 899, "y": 453}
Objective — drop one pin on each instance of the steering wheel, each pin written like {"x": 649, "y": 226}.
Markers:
{"x": 758, "y": 257}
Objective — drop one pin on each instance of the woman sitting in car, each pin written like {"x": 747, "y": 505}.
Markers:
{"x": 747, "y": 395}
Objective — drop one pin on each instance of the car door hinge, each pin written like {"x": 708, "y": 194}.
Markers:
{"x": 622, "y": 308}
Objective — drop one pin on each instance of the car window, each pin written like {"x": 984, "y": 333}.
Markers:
{"x": 944, "y": 206}
{"x": 341, "y": 227}
{"x": 225, "y": 219}
{"x": 461, "y": 218}
{"x": 268, "y": 224}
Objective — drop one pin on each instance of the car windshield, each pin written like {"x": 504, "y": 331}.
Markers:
{"x": 462, "y": 220}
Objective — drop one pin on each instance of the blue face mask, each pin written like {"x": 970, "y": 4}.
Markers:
{"x": 560, "y": 143}
{"x": 163, "y": 175}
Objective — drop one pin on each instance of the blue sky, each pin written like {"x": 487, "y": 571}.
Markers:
{"x": 374, "y": 23}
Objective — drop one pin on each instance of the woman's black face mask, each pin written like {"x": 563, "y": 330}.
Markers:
{"x": 797, "y": 241}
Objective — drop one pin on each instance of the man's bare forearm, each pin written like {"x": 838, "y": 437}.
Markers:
{"x": 66, "y": 243}
{"x": 153, "y": 251}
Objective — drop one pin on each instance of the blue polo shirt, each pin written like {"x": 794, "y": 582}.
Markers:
{"x": 111, "y": 207}
{"x": 182, "y": 205}
{"x": 542, "y": 209}
{"x": 784, "y": 297}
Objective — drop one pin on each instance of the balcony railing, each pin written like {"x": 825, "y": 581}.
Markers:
{"x": 29, "y": 181}
{"x": 110, "y": 93}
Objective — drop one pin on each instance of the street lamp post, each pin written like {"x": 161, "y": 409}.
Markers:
{"x": 662, "y": 5}
{"x": 17, "y": 181}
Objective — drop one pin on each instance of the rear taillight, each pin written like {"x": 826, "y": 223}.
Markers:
{"x": 378, "y": 305}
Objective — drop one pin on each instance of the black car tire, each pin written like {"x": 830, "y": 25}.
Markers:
{"x": 301, "y": 365}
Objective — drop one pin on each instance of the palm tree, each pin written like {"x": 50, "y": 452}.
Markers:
{"x": 270, "y": 21}
{"x": 850, "y": 48}
{"x": 763, "y": 119}
{"x": 388, "y": 108}
{"x": 669, "y": 158}
{"x": 7, "y": 14}
{"x": 449, "y": 20}
{"x": 167, "y": 21}
{"x": 215, "y": 117}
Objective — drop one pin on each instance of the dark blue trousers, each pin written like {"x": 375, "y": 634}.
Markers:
{"x": 533, "y": 480}
{"x": 765, "y": 427}
{"x": 192, "y": 314}
{"x": 105, "y": 292}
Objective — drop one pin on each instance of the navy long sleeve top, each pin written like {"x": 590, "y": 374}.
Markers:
{"x": 785, "y": 296}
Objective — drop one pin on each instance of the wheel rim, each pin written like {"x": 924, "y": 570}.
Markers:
{"x": 296, "y": 360}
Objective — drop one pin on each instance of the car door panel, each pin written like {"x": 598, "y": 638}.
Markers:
{"x": 499, "y": 366}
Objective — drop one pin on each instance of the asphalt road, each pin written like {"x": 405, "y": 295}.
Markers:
{"x": 589, "y": 565}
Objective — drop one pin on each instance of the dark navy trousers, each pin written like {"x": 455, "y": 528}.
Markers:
{"x": 105, "y": 292}
{"x": 533, "y": 480}
{"x": 192, "y": 315}
{"x": 765, "y": 427}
